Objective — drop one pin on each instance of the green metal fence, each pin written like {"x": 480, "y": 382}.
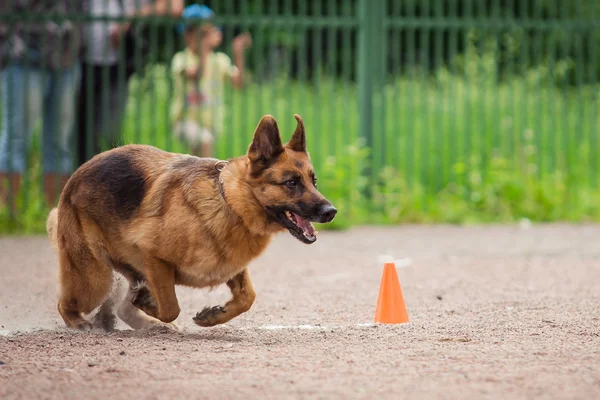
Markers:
{"x": 416, "y": 110}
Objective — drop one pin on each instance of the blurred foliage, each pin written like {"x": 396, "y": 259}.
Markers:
{"x": 489, "y": 111}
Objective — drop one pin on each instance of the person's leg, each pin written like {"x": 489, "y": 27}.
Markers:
{"x": 108, "y": 104}
{"x": 83, "y": 108}
{"x": 91, "y": 111}
{"x": 206, "y": 138}
{"x": 198, "y": 139}
{"x": 59, "y": 121}
{"x": 206, "y": 150}
{"x": 118, "y": 90}
{"x": 21, "y": 108}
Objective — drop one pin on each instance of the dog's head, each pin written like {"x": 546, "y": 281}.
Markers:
{"x": 284, "y": 182}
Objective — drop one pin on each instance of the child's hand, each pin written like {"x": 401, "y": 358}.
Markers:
{"x": 191, "y": 72}
{"x": 241, "y": 43}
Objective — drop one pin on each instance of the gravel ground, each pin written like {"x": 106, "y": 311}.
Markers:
{"x": 496, "y": 312}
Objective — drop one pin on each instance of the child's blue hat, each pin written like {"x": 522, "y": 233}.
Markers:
{"x": 194, "y": 13}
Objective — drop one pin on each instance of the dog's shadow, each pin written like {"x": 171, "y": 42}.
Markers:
{"x": 218, "y": 334}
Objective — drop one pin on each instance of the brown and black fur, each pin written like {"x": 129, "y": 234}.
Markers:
{"x": 163, "y": 219}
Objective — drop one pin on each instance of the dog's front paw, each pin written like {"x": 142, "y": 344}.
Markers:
{"x": 172, "y": 326}
{"x": 210, "y": 316}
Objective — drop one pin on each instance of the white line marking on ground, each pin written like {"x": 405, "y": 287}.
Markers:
{"x": 307, "y": 327}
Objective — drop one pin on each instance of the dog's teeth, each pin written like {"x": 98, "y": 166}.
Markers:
{"x": 289, "y": 215}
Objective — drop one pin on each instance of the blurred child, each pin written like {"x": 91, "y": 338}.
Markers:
{"x": 199, "y": 75}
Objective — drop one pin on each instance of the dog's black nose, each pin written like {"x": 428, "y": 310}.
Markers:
{"x": 327, "y": 213}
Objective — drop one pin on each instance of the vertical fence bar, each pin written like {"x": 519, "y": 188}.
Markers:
{"x": 541, "y": 114}
{"x": 16, "y": 182}
{"x": 259, "y": 51}
{"x": 224, "y": 147}
{"x": 170, "y": 50}
{"x": 90, "y": 80}
{"x": 272, "y": 60}
{"x": 555, "y": 112}
{"x": 454, "y": 84}
{"x": 496, "y": 100}
{"x": 441, "y": 162}
{"x": 35, "y": 119}
{"x": 288, "y": 45}
{"x": 55, "y": 75}
{"x": 514, "y": 109}
{"x": 576, "y": 123}
{"x": 378, "y": 45}
{"x": 365, "y": 78}
{"x": 388, "y": 140}
{"x": 564, "y": 100}
{"x": 8, "y": 118}
{"x": 474, "y": 81}
{"x": 424, "y": 156}
{"x": 411, "y": 148}
{"x": 122, "y": 87}
{"x": 347, "y": 92}
{"x": 593, "y": 44}
{"x": 153, "y": 23}
{"x": 317, "y": 120}
{"x": 140, "y": 88}
{"x": 245, "y": 123}
{"x": 333, "y": 147}
{"x": 532, "y": 37}
{"x": 477, "y": 139}
{"x": 429, "y": 104}
{"x": 104, "y": 106}
{"x": 396, "y": 135}
{"x": 302, "y": 54}
{"x": 489, "y": 86}
{"x": 464, "y": 93}
{"x": 417, "y": 96}
{"x": 524, "y": 96}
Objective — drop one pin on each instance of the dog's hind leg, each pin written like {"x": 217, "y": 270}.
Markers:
{"x": 105, "y": 318}
{"x": 243, "y": 298}
{"x": 84, "y": 285}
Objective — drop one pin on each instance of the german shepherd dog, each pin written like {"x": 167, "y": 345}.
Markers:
{"x": 163, "y": 219}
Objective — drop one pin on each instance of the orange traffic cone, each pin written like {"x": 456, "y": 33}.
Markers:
{"x": 390, "y": 304}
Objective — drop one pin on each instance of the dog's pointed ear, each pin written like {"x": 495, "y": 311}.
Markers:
{"x": 266, "y": 145}
{"x": 298, "y": 140}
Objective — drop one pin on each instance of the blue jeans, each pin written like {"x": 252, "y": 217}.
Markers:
{"x": 28, "y": 95}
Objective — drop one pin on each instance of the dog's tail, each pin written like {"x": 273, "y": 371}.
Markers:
{"x": 52, "y": 227}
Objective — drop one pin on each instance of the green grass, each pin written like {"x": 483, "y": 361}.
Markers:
{"x": 449, "y": 148}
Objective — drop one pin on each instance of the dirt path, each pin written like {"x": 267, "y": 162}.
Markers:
{"x": 496, "y": 312}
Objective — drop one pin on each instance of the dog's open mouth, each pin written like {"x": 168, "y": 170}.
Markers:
{"x": 299, "y": 227}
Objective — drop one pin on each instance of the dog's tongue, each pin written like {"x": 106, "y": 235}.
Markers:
{"x": 307, "y": 227}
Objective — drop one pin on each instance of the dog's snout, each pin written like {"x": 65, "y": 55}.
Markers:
{"x": 327, "y": 213}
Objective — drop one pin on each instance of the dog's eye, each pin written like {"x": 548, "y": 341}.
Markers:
{"x": 292, "y": 183}
{"x": 314, "y": 179}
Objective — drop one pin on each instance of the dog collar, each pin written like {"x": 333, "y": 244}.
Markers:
{"x": 219, "y": 166}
